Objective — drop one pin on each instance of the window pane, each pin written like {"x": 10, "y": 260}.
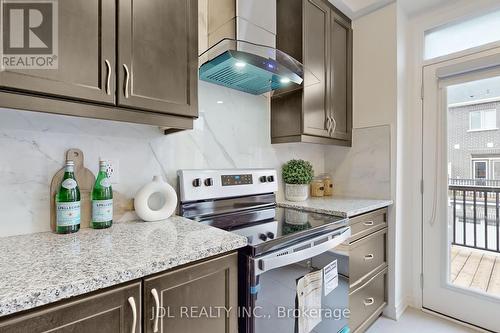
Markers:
{"x": 480, "y": 170}
{"x": 490, "y": 119}
{"x": 496, "y": 169}
{"x": 475, "y": 120}
{"x": 463, "y": 35}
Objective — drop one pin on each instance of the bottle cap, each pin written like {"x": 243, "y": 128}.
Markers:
{"x": 70, "y": 162}
{"x": 103, "y": 163}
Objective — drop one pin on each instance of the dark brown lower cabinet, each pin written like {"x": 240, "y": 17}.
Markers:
{"x": 106, "y": 312}
{"x": 199, "y": 298}
{"x": 194, "y": 299}
{"x": 368, "y": 266}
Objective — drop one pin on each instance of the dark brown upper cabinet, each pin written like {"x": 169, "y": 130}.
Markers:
{"x": 340, "y": 102}
{"x": 86, "y": 55}
{"x": 125, "y": 60}
{"x": 320, "y": 111}
{"x": 113, "y": 311}
{"x": 211, "y": 284}
{"x": 158, "y": 55}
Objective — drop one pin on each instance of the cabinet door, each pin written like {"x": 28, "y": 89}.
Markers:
{"x": 193, "y": 299}
{"x": 317, "y": 61}
{"x": 86, "y": 55}
{"x": 158, "y": 55}
{"x": 106, "y": 312}
{"x": 341, "y": 76}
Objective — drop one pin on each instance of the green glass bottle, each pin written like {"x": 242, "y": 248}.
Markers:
{"x": 102, "y": 200}
{"x": 68, "y": 202}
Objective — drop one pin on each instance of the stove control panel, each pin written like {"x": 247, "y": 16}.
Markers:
{"x": 231, "y": 180}
{"x": 197, "y": 185}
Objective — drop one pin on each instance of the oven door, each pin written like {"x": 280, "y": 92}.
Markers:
{"x": 298, "y": 289}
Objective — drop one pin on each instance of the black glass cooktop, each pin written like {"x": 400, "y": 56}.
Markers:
{"x": 271, "y": 228}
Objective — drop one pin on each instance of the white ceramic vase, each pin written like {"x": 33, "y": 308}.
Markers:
{"x": 141, "y": 205}
{"x": 296, "y": 192}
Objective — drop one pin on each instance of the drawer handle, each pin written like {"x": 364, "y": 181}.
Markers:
{"x": 127, "y": 79}
{"x": 369, "y": 257}
{"x": 369, "y": 301}
{"x": 154, "y": 292}
{"x": 369, "y": 223}
{"x": 131, "y": 301}
{"x": 108, "y": 77}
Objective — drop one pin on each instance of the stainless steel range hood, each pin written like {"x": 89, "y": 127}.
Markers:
{"x": 238, "y": 47}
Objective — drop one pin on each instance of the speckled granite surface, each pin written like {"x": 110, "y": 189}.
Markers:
{"x": 338, "y": 206}
{"x": 42, "y": 268}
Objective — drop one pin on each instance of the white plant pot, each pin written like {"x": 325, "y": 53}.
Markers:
{"x": 296, "y": 192}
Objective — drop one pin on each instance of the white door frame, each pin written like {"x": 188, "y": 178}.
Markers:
{"x": 417, "y": 26}
{"x": 435, "y": 293}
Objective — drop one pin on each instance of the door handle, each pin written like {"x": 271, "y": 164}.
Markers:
{"x": 108, "y": 77}
{"x": 127, "y": 79}
{"x": 154, "y": 292}
{"x": 368, "y": 301}
{"x": 368, "y": 223}
{"x": 369, "y": 257}
{"x": 131, "y": 301}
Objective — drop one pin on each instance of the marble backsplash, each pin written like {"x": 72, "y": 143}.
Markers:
{"x": 364, "y": 170}
{"x": 233, "y": 131}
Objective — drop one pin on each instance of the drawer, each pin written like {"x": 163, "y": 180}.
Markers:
{"x": 367, "y": 300}
{"x": 365, "y": 224}
{"x": 366, "y": 256}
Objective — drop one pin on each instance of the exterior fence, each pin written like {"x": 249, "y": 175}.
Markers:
{"x": 474, "y": 210}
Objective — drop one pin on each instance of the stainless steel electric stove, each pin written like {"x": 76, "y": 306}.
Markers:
{"x": 284, "y": 245}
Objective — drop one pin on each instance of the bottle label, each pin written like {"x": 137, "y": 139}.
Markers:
{"x": 67, "y": 213}
{"x": 105, "y": 182}
{"x": 69, "y": 183}
{"x": 102, "y": 210}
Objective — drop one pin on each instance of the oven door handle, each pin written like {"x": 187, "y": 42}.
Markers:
{"x": 281, "y": 258}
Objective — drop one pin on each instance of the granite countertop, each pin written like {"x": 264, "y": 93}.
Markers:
{"x": 42, "y": 268}
{"x": 338, "y": 206}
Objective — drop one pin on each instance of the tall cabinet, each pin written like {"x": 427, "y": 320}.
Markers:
{"x": 320, "y": 111}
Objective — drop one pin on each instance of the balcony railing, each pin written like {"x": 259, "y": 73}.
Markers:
{"x": 474, "y": 210}
{"x": 475, "y": 182}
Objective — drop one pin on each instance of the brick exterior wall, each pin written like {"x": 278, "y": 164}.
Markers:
{"x": 472, "y": 144}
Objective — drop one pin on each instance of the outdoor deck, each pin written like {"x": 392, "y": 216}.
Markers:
{"x": 475, "y": 269}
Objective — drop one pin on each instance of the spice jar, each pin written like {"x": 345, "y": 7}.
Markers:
{"x": 317, "y": 187}
{"x": 327, "y": 182}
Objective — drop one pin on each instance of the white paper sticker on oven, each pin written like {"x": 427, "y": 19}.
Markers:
{"x": 331, "y": 277}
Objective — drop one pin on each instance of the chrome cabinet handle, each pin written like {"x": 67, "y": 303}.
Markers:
{"x": 334, "y": 126}
{"x": 329, "y": 122}
{"x": 108, "y": 77}
{"x": 368, "y": 223}
{"x": 127, "y": 79}
{"x": 369, "y": 257}
{"x": 131, "y": 301}
{"x": 368, "y": 301}
{"x": 154, "y": 292}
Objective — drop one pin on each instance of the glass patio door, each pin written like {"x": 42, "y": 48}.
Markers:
{"x": 461, "y": 227}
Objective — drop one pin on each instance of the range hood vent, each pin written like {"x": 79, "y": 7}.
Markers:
{"x": 250, "y": 67}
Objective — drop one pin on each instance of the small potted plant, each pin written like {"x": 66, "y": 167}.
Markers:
{"x": 297, "y": 174}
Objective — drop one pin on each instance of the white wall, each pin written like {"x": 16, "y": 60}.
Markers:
{"x": 374, "y": 68}
{"x": 235, "y": 134}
